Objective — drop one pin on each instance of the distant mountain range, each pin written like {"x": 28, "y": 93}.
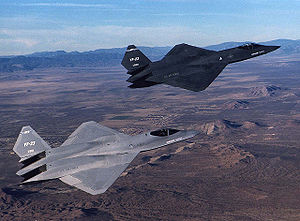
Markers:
{"x": 113, "y": 57}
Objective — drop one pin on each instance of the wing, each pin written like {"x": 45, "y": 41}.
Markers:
{"x": 188, "y": 50}
{"x": 89, "y": 131}
{"x": 98, "y": 180}
{"x": 197, "y": 79}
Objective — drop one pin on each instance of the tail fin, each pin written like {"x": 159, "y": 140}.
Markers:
{"x": 134, "y": 59}
{"x": 29, "y": 143}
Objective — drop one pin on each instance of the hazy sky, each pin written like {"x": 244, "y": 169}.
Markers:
{"x": 37, "y": 25}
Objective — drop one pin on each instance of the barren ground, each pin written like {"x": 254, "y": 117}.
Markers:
{"x": 243, "y": 166}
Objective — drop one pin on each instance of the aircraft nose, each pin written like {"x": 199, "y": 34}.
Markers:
{"x": 273, "y": 48}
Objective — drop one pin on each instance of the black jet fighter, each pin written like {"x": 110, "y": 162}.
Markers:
{"x": 186, "y": 66}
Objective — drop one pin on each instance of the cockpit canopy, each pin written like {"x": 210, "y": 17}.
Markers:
{"x": 249, "y": 46}
{"x": 164, "y": 132}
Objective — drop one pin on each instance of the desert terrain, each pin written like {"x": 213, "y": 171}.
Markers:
{"x": 244, "y": 165}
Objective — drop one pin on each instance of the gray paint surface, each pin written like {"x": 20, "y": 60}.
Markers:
{"x": 92, "y": 157}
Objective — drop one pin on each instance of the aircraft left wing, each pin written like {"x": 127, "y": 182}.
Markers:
{"x": 98, "y": 180}
{"x": 198, "y": 79}
{"x": 89, "y": 131}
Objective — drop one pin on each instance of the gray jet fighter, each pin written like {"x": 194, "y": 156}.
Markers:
{"x": 92, "y": 157}
{"x": 186, "y": 66}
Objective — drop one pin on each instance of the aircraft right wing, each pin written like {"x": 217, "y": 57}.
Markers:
{"x": 98, "y": 180}
{"x": 188, "y": 50}
{"x": 89, "y": 131}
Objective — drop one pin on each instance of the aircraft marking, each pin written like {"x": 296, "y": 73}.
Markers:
{"x": 257, "y": 53}
{"x": 174, "y": 140}
{"x": 134, "y": 59}
{"x": 30, "y": 143}
{"x": 171, "y": 75}
{"x": 25, "y": 132}
{"x": 132, "y": 49}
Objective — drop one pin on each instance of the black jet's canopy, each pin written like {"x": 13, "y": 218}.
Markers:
{"x": 164, "y": 132}
{"x": 249, "y": 46}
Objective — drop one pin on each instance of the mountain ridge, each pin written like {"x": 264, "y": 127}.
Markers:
{"x": 113, "y": 56}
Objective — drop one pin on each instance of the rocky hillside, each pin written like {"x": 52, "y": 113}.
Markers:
{"x": 236, "y": 105}
{"x": 218, "y": 127}
{"x": 265, "y": 91}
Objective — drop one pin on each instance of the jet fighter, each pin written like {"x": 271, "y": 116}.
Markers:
{"x": 186, "y": 66}
{"x": 92, "y": 157}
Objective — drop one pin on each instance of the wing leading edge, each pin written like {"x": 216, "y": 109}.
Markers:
{"x": 188, "y": 50}
{"x": 89, "y": 131}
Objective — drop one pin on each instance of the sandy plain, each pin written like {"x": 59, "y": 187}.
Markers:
{"x": 243, "y": 166}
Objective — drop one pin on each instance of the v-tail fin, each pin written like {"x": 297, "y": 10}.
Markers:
{"x": 134, "y": 59}
{"x": 29, "y": 144}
